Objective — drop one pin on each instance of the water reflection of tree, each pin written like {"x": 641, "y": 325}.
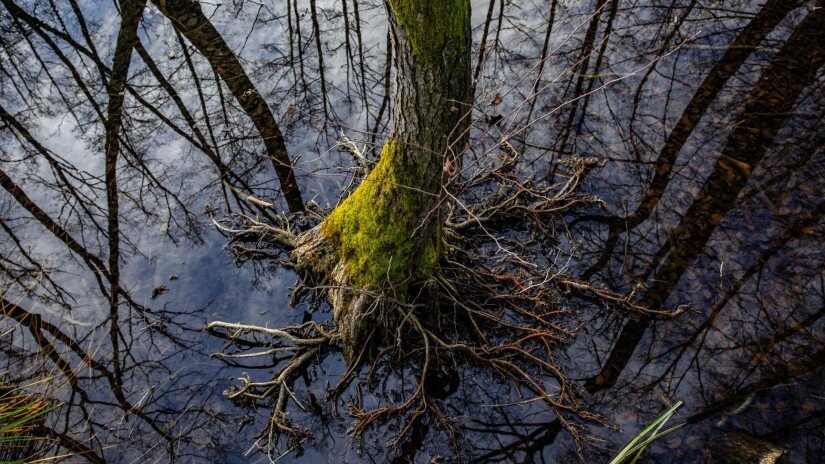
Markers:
{"x": 766, "y": 335}
{"x": 760, "y": 181}
{"x": 113, "y": 364}
{"x": 672, "y": 255}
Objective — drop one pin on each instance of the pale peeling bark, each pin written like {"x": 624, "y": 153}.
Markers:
{"x": 384, "y": 241}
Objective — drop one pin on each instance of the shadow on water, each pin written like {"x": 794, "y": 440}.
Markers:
{"x": 706, "y": 115}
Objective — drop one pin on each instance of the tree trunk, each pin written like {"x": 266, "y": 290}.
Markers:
{"x": 384, "y": 239}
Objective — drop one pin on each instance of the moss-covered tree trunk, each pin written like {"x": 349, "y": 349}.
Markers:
{"x": 382, "y": 242}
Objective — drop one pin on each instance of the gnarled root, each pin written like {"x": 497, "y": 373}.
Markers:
{"x": 360, "y": 313}
{"x": 495, "y": 303}
{"x": 296, "y": 347}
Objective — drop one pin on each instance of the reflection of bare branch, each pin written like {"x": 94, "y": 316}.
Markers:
{"x": 94, "y": 263}
{"x": 739, "y": 50}
{"x": 792, "y": 69}
{"x": 193, "y": 24}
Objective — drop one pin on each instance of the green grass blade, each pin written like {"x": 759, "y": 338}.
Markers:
{"x": 650, "y": 433}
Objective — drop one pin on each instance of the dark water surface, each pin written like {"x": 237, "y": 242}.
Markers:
{"x": 707, "y": 116}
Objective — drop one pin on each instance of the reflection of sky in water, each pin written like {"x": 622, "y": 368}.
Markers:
{"x": 212, "y": 287}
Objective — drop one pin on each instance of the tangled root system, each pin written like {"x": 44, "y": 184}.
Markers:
{"x": 496, "y": 303}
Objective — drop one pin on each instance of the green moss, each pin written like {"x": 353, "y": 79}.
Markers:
{"x": 377, "y": 227}
{"x": 429, "y": 258}
{"x": 436, "y": 27}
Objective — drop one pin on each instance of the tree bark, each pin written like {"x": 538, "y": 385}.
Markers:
{"x": 385, "y": 238}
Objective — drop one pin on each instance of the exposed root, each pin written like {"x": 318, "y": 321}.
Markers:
{"x": 495, "y": 304}
{"x": 294, "y": 348}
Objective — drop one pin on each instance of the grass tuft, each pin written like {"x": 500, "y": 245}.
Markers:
{"x": 653, "y": 431}
{"x": 21, "y": 414}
